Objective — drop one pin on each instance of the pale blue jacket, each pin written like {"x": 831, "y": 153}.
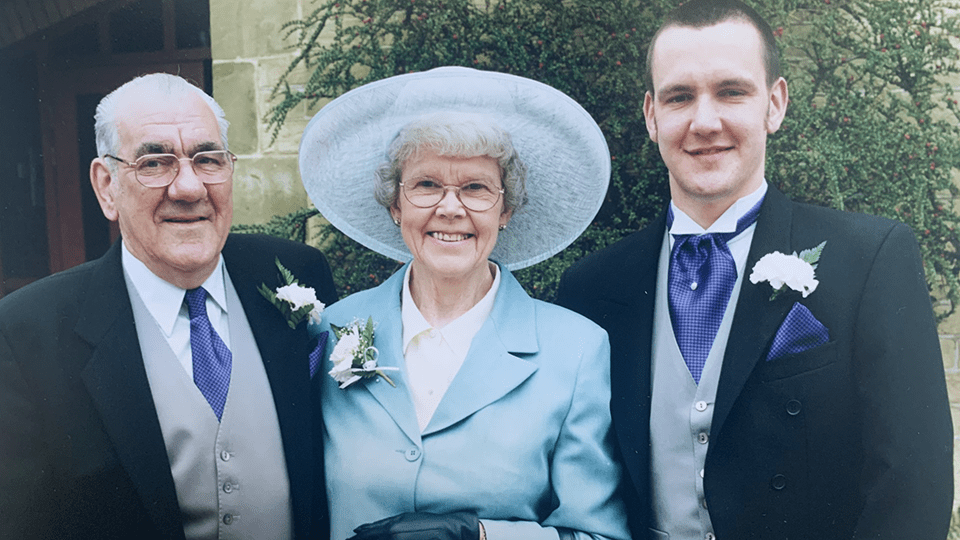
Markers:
{"x": 522, "y": 437}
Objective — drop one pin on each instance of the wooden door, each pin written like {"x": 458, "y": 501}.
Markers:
{"x": 77, "y": 230}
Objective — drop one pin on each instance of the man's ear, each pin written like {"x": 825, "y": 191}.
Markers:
{"x": 779, "y": 97}
{"x": 648, "y": 116}
{"x": 105, "y": 186}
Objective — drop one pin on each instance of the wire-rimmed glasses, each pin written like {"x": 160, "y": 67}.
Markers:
{"x": 476, "y": 195}
{"x": 159, "y": 170}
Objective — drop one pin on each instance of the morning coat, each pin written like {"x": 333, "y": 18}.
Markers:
{"x": 849, "y": 440}
{"x": 82, "y": 454}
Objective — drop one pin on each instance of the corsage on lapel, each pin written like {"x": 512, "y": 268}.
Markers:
{"x": 296, "y": 303}
{"x": 794, "y": 271}
{"x": 354, "y": 357}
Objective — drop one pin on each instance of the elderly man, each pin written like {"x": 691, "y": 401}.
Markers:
{"x": 154, "y": 392}
{"x": 747, "y": 408}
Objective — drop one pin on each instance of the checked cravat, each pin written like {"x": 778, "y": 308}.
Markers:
{"x": 701, "y": 279}
{"x": 212, "y": 359}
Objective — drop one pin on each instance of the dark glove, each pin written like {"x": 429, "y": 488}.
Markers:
{"x": 422, "y": 526}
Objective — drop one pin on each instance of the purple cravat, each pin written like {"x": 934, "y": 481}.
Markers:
{"x": 701, "y": 279}
{"x": 211, "y": 357}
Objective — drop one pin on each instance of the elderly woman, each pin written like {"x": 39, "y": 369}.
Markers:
{"x": 458, "y": 407}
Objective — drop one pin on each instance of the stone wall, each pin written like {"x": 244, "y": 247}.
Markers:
{"x": 248, "y": 58}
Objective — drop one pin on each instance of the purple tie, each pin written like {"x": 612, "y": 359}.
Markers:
{"x": 211, "y": 357}
{"x": 701, "y": 279}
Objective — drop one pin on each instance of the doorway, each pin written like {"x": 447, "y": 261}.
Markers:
{"x": 49, "y": 217}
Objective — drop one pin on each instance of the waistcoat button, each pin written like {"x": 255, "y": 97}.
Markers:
{"x": 778, "y": 482}
{"x": 793, "y": 407}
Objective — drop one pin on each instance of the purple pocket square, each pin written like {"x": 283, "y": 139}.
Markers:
{"x": 800, "y": 331}
{"x": 317, "y": 355}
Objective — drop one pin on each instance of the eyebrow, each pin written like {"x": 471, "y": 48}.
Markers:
{"x": 737, "y": 83}
{"x": 205, "y": 146}
{"x": 163, "y": 148}
{"x": 152, "y": 148}
{"x": 675, "y": 89}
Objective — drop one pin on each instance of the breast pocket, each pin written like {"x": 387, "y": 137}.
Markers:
{"x": 799, "y": 363}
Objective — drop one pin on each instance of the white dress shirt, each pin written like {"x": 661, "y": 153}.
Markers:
{"x": 726, "y": 223}
{"x": 433, "y": 356}
{"x": 165, "y": 302}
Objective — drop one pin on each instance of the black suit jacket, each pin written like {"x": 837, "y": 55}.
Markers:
{"x": 852, "y": 439}
{"x": 81, "y": 451}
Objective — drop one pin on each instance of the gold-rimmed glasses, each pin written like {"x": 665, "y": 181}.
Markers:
{"x": 476, "y": 195}
{"x": 159, "y": 170}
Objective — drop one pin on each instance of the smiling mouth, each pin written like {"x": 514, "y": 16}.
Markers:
{"x": 185, "y": 219}
{"x": 444, "y": 237}
{"x": 709, "y": 151}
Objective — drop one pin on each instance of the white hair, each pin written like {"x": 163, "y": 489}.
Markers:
{"x": 164, "y": 84}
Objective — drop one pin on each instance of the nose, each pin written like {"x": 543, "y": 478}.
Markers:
{"x": 706, "y": 117}
{"x": 186, "y": 185}
{"x": 450, "y": 205}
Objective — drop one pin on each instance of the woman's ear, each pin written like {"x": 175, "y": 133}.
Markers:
{"x": 505, "y": 218}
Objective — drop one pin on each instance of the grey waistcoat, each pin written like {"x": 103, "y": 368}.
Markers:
{"x": 230, "y": 476}
{"x": 681, "y": 414}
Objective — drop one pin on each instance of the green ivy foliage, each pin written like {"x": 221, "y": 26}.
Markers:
{"x": 872, "y": 125}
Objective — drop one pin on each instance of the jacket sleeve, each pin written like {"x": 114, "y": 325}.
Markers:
{"x": 24, "y": 478}
{"x": 907, "y": 476}
{"x": 584, "y": 473}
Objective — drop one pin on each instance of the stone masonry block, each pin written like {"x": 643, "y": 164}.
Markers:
{"x": 233, "y": 88}
{"x": 955, "y": 414}
{"x": 266, "y": 187}
{"x": 948, "y": 347}
{"x": 251, "y": 28}
{"x": 953, "y": 387}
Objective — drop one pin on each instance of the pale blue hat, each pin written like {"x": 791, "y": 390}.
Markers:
{"x": 568, "y": 163}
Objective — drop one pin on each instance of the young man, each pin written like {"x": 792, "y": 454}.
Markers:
{"x": 153, "y": 393}
{"x": 819, "y": 412}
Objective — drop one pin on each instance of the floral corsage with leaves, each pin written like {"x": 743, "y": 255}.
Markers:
{"x": 795, "y": 271}
{"x": 354, "y": 357}
{"x": 297, "y": 303}
{"x": 294, "y": 301}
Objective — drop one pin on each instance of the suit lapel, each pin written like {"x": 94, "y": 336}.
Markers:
{"x": 117, "y": 382}
{"x": 628, "y": 311}
{"x": 388, "y": 338}
{"x": 757, "y": 318}
{"x": 383, "y": 305}
{"x": 284, "y": 353}
{"x": 511, "y": 328}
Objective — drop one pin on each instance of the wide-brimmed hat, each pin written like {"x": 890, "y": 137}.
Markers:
{"x": 568, "y": 163}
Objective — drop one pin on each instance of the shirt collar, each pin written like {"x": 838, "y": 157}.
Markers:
{"x": 458, "y": 333}
{"x": 726, "y": 223}
{"x": 164, "y": 299}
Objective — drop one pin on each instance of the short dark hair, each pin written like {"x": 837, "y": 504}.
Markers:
{"x": 703, "y": 13}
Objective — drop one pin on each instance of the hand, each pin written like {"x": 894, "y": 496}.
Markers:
{"x": 422, "y": 526}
